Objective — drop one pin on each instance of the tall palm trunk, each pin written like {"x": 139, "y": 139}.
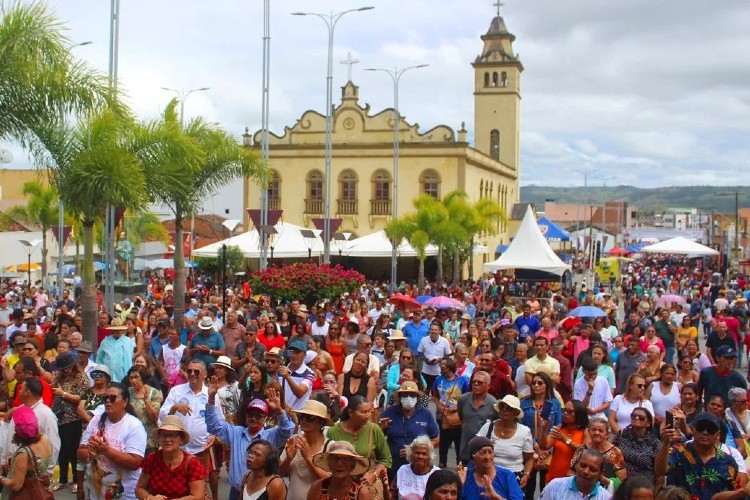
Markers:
{"x": 88, "y": 300}
{"x": 456, "y": 261}
{"x": 439, "y": 275}
{"x": 179, "y": 270}
{"x": 420, "y": 274}
{"x": 44, "y": 252}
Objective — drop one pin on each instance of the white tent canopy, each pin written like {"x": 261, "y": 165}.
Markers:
{"x": 377, "y": 244}
{"x": 680, "y": 246}
{"x": 529, "y": 250}
{"x": 288, "y": 243}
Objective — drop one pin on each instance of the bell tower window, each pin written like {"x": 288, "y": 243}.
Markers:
{"x": 495, "y": 144}
{"x": 487, "y": 79}
{"x": 494, "y": 79}
{"x": 504, "y": 79}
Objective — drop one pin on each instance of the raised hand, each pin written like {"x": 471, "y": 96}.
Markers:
{"x": 213, "y": 386}
{"x": 273, "y": 400}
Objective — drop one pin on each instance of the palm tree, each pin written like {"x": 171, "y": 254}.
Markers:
{"x": 41, "y": 210}
{"x": 220, "y": 160}
{"x": 104, "y": 162}
{"x": 144, "y": 226}
{"x": 39, "y": 79}
{"x": 418, "y": 228}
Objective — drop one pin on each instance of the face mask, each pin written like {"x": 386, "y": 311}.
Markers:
{"x": 408, "y": 402}
{"x": 255, "y": 429}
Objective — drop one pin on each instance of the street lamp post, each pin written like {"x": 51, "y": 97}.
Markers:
{"x": 29, "y": 246}
{"x": 395, "y": 75}
{"x": 330, "y": 20}
{"x": 736, "y": 195}
{"x": 182, "y": 95}
{"x": 264, "y": 127}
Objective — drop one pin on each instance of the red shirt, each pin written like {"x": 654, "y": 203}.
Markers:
{"x": 500, "y": 385}
{"x": 172, "y": 483}
{"x": 46, "y": 395}
{"x": 278, "y": 341}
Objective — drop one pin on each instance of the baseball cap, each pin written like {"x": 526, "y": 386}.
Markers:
{"x": 726, "y": 351}
{"x": 297, "y": 345}
{"x": 706, "y": 421}
{"x": 258, "y": 404}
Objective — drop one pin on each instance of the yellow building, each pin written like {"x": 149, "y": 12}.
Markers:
{"x": 436, "y": 161}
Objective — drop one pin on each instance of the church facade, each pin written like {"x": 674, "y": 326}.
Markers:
{"x": 435, "y": 161}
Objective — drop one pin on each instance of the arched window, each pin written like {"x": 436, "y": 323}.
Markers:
{"x": 495, "y": 144}
{"x": 495, "y": 81}
{"x": 347, "y": 193}
{"x": 381, "y": 193}
{"x": 504, "y": 79}
{"x": 487, "y": 79}
{"x": 274, "y": 191}
{"x": 429, "y": 181}
{"x": 314, "y": 201}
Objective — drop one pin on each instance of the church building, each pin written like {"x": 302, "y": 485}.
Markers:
{"x": 435, "y": 161}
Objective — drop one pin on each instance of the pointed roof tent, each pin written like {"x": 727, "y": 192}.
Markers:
{"x": 377, "y": 244}
{"x": 529, "y": 250}
{"x": 288, "y": 243}
{"x": 680, "y": 246}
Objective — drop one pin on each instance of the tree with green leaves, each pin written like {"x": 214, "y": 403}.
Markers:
{"x": 104, "y": 161}
{"x": 220, "y": 160}
{"x": 418, "y": 228}
{"x": 40, "y": 81}
{"x": 41, "y": 211}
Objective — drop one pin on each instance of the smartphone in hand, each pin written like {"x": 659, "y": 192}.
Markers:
{"x": 546, "y": 410}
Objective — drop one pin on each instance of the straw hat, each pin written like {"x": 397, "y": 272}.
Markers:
{"x": 513, "y": 402}
{"x": 316, "y": 409}
{"x": 117, "y": 325}
{"x": 408, "y": 387}
{"x": 342, "y": 449}
{"x": 206, "y": 323}
{"x": 224, "y": 362}
{"x": 172, "y": 423}
{"x": 396, "y": 335}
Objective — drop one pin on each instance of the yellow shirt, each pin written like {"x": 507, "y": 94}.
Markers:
{"x": 685, "y": 334}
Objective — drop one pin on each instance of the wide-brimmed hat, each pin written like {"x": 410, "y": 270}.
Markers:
{"x": 172, "y": 423}
{"x": 117, "y": 325}
{"x": 206, "y": 323}
{"x": 303, "y": 308}
{"x": 316, "y": 409}
{"x": 409, "y": 387}
{"x": 466, "y": 316}
{"x": 342, "y": 449}
{"x": 276, "y": 352}
{"x": 101, "y": 369}
{"x": 64, "y": 360}
{"x": 225, "y": 362}
{"x": 85, "y": 347}
{"x": 396, "y": 335}
{"x": 513, "y": 402}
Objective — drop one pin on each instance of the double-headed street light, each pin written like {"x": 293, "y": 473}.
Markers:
{"x": 182, "y": 96}
{"x": 395, "y": 75}
{"x": 330, "y": 20}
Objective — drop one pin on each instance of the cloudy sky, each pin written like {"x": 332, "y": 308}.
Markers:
{"x": 645, "y": 92}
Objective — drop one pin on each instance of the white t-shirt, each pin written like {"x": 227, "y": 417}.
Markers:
{"x": 433, "y": 350}
{"x": 509, "y": 452}
{"x": 128, "y": 436}
{"x": 172, "y": 358}
{"x": 411, "y": 486}
{"x": 316, "y": 329}
{"x": 623, "y": 409}
{"x": 600, "y": 395}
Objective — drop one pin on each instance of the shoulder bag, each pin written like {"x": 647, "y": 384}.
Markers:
{"x": 34, "y": 487}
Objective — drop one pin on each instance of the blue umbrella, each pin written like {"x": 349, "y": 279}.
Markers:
{"x": 587, "y": 312}
{"x": 423, "y": 298}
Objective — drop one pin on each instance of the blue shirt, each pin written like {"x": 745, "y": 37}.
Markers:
{"x": 450, "y": 390}
{"x": 565, "y": 488}
{"x": 238, "y": 438}
{"x": 213, "y": 341}
{"x": 701, "y": 480}
{"x": 403, "y": 430}
{"x": 154, "y": 348}
{"x": 415, "y": 334}
{"x": 505, "y": 484}
{"x": 117, "y": 354}
{"x": 527, "y": 326}
{"x": 530, "y": 415}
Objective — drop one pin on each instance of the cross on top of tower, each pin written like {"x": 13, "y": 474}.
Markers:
{"x": 349, "y": 62}
{"x": 498, "y": 4}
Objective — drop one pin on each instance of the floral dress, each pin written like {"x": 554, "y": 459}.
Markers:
{"x": 155, "y": 399}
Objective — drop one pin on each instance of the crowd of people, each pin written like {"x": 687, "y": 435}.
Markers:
{"x": 370, "y": 395}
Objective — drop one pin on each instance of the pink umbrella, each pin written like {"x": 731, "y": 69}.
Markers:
{"x": 673, "y": 299}
{"x": 443, "y": 302}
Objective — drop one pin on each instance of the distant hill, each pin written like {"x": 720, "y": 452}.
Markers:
{"x": 655, "y": 199}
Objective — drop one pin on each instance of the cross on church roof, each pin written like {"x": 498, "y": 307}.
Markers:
{"x": 349, "y": 62}
{"x": 498, "y": 4}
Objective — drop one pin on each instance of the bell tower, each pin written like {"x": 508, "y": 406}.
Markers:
{"x": 497, "y": 95}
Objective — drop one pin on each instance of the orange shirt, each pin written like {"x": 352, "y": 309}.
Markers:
{"x": 562, "y": 454}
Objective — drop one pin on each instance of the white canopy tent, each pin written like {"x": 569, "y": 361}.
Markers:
{"x": 529, "y": 250}
{"x": 377, "y": 244}
{"x": 288, "y": 243}
{"x": 680, "y": 246}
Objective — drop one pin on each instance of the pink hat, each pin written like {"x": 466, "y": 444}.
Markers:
{"x": 26, "y": 423}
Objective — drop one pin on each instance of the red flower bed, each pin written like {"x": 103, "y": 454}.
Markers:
{"x": 306, "y": 281}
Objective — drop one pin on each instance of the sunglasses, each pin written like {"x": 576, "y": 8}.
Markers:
{"x": 638, "y": 416}
{"x": 192, "y": 372}
{"x": 537, "y": 383}
{"x": 271, "y": 361}
{"x": 302, "y": 417}
{"x": 706, "y": 428}
{"x": 111, "y": 398}
{"x": 170, "y": 435}
{"x": 478, "y": 382}
{"x": 640, "y": 386}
